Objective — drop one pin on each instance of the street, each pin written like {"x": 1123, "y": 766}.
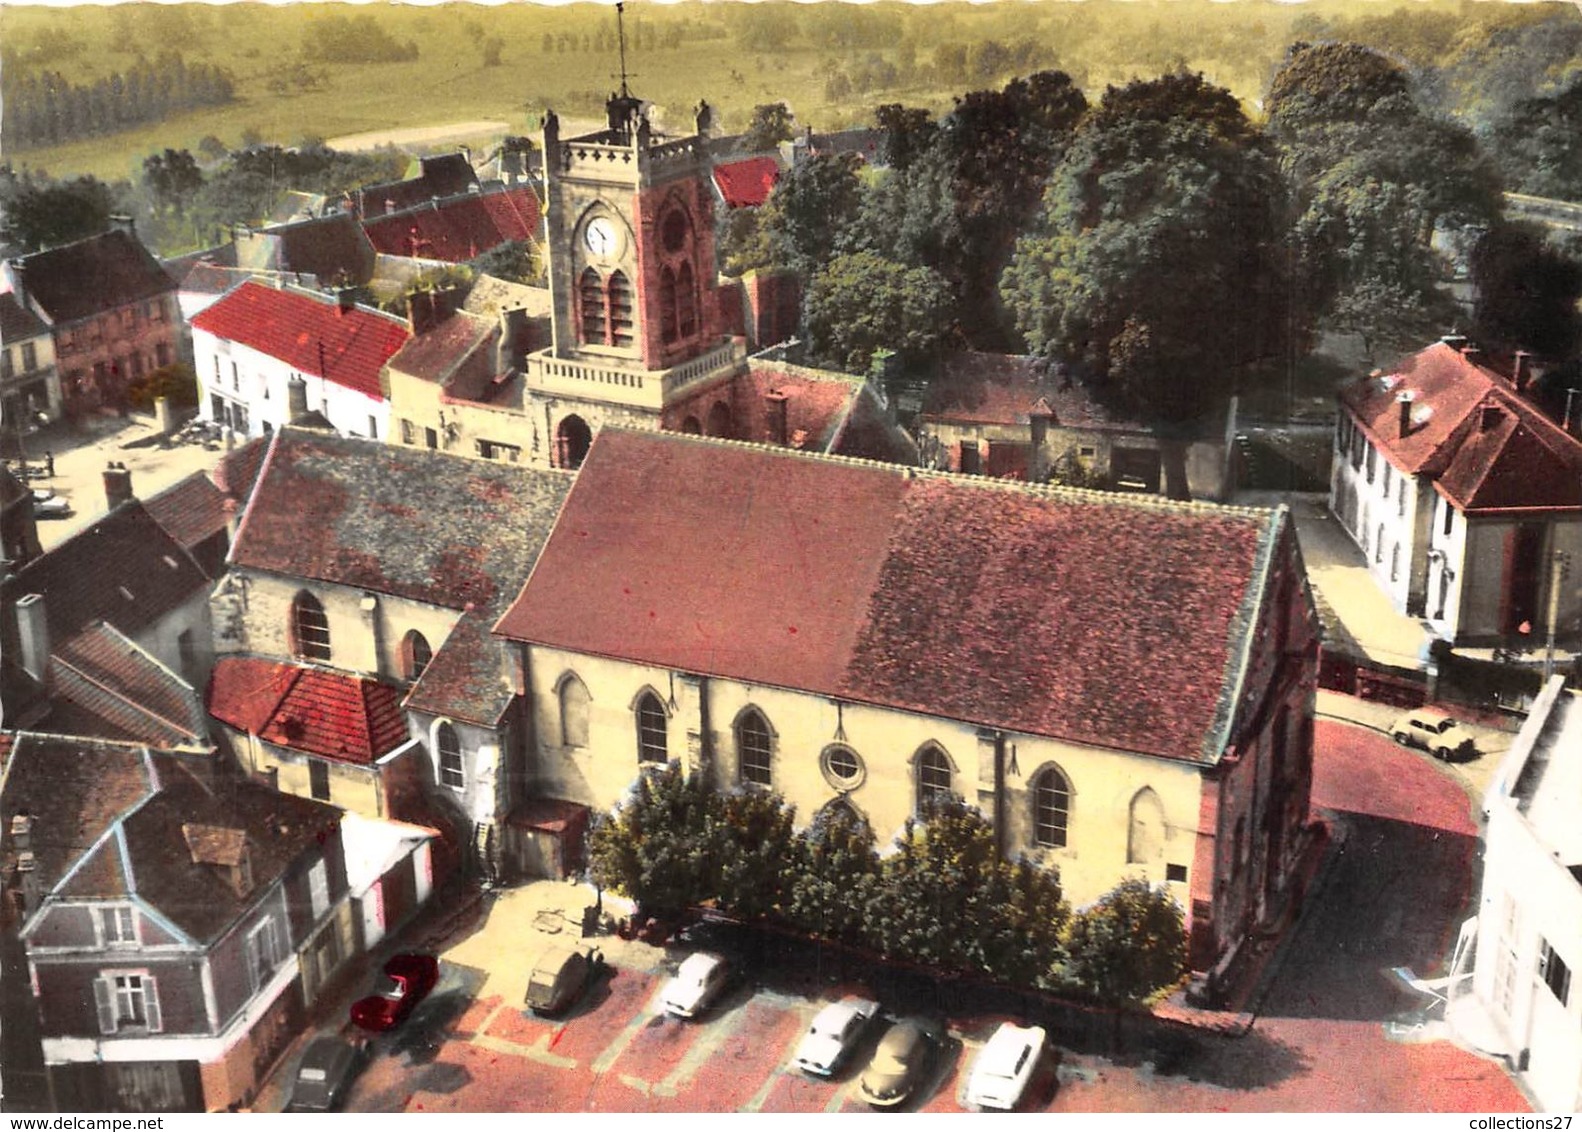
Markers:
{"x": 1334, "y": 1031}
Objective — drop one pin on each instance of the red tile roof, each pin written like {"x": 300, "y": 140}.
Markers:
{"x": 1510, "y": 457}
{"x": 1031, "y": 609}
{"x": 747, "y": 183}
{"x": 438, "y": 354}
{"x": 465, "y": 679}
{"x": 190, "y": 510}
{"x": 335, "y": 715}
{"x": 300, "y": 329}
{"x": 458, "y": 229}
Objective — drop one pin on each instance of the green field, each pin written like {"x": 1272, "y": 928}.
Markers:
{"x": 831, "y": 62}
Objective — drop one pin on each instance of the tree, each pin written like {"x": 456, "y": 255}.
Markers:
{"x": 173, "y": 178}
{"x": 835, "y": 874}
{"x": 908, "y": 132}
{"x": 1538, "y": 140}
{"x": 770, "y": 125}
{"x": 1162, "y": 218}
{"x": 176, "y": 383}
{"x": 1527, "y": 293}
{"x": 516, "y": 260}
{"x": 752, "y": 846}
{"x": 807, "y": 215}
{"x": 45, "y": 214}
{"x": 1128, "y": 946}
{"x": 945, "y": 898}
{"x": 212, "y": 148}
{"x": 861, "y": 303}
{"x": 655, "y": 847}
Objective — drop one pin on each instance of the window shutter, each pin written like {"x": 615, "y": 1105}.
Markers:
{"x": 319, "y": 888}
{"x": 151, "y": 1004}
{"x": 104, "y": 999}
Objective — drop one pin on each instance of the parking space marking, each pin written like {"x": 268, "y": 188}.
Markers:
{"x": 535, "y": 1052}
{"x": 626, "y": 1037}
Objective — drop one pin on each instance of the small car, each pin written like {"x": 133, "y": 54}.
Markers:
{"x": 561, "y": 976}
{"x": 699, "y": 981}
{"x": 1004, "y": 1067}
{"x": 326, "y": 1070}
{"x": 835, "y": 1032}
{"x": 406, "y": 982}
{"x": 905, "y": 1055}
{"x": 1436, "y": 732}
{"x": 48, "y": 505}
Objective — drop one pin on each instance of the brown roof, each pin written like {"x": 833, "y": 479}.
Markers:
{"x": 442, "y": 175}
{"x": 97, "y": 274}
{"x": 333, "y": 249}
{"x": 1038, "y": 610}
{"x": 108, "y": 675}
{"x": 459, "y": 345}
{"x": 402, "y": 521}
{"x": 1005, "y": 389}
{"x": 191, "y": 510}
{"x": 465, "y": 679}
{"x": 1487, "y": 449}
{"x": 17, "y": 322}
{"x": 124, "y": 570}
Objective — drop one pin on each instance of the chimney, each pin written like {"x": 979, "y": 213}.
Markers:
{"x": 1454, "y": 341}
{"x": 775, "y": 406}
{"x": 19, "y": 281}
{"x": 121, "y": 222}
{"x": 1490, "y": 416}
{"x": 346, "y": 299}
{"x": 1522, "y": 370}
{"x": 1471, "y": 353}
{"x": 27, "y": 872}
{"x": 32, "y": 630}
{"x": 513, "y": 339}
{"x": 1403, "y": 407}
{"x": 420, "y": 312}
{"x": 296, "y": 397}
{"x": 21, "y": 832}
{"x": 117, "y": 484}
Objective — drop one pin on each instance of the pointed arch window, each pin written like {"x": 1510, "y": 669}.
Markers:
{"x": 686, "y": 302}
{"x": 1145, "y": 835}
{"x": 934, "y": 778}
{"x": 415, "y": 654}
{"x": 310, "y": 628}
{"x": 590, "y": 294}
{"x": 573, "y": 711}
{"x": 667, "y": 304}
{"x": 451, "y": 771}
{"x": 652, "y": 730}
{"x": 620, "y": 291}
{"x": 1051, "y": 808}
{"x": 754, "y": 744}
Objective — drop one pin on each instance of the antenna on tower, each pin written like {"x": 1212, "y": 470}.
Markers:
{"x": 620, "y": 32}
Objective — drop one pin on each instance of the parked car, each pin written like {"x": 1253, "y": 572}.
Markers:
{"x": 700, "y": 980}
{"x": 48, "y": 505}
{"x": 903, "y": 1060}
{"x": 406, "y": 982}
{"x": 561, "y": 976}
{"x": 1436, "y": 732}
{"x": 1004, "y": 1067}
{"x": 326, "y": 1071}
{"x": 835, "y": 1032}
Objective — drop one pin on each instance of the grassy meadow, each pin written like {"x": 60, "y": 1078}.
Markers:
{"x": 832, "y": 62}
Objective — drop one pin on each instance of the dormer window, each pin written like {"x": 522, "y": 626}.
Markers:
{"x": 223, "y": 850}
{"x": 118, "y": 925}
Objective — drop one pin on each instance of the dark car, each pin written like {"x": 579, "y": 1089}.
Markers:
{"x": 905, "y": 1055}
{"x": 561, "y": 976}
{"x": 406, "y": 982}
{"x": 326, "y": 1070}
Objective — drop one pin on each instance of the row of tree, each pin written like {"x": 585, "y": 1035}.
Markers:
{"x": 48, "y": 108}
{"x": 1160, "y": 245}
{"x": 944, "y": 898}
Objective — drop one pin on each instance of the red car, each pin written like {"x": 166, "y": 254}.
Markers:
{"x": 406, "y": 982}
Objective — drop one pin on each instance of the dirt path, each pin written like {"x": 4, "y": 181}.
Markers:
{"x": 419, "y": 136}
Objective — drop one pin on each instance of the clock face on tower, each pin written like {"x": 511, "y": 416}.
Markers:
{"x": 602, "y": 238}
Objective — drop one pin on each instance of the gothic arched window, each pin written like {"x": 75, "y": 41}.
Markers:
{"x": 573, "y": 711}
{"x": 686, "y": 302}
{"x": 652, "y": 730}
{"x": 310, "y": 628}
{"x": 415, "y": 654}
{"x": 590, "y": 294}
{"x": 753, "y": 747}
{"x": 1051, "y": 808}
{"x": 620, "y": 291}
{"x": 667, "y": 305}
{"x": 933, "y": 777}
{"x": 451, "y": 771}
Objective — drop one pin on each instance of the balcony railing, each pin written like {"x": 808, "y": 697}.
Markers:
{"x": 628, "y": 383}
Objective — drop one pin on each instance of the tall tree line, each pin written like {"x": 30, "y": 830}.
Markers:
{"x": 48, "y": 108}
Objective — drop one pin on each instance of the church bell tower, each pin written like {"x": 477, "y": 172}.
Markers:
{"x": 629, "y": 229}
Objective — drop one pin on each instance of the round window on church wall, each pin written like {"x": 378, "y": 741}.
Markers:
{"x": 842, "y": 767}
{"x": 673, "y": 232}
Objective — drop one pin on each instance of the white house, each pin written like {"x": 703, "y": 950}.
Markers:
{"x": 1530, "y": 914}
{"x": 260, "y": 346}
{"x": 1461, "y": 494}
